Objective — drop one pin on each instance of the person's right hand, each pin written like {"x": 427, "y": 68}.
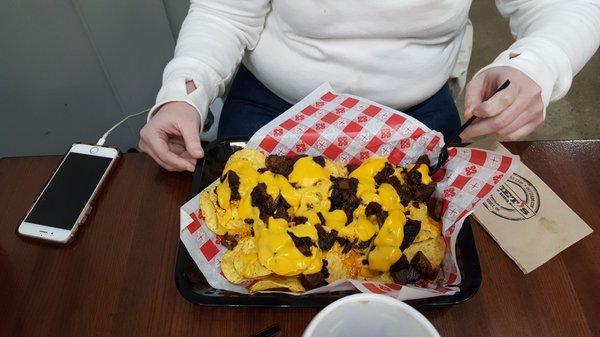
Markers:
{"x": 172, "y": 137}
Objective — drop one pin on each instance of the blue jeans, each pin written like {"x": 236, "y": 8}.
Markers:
{"x": 250, "y": 105}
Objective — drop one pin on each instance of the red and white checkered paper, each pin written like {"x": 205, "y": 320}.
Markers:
{"x": 351, "y": 129}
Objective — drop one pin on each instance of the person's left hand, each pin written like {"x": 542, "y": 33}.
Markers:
{"x": 512, "y": 113}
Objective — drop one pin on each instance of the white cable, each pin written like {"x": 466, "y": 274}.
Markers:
{"x": 102, "y": 139}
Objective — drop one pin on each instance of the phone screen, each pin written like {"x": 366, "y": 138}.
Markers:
{"x": 68, "y": 191}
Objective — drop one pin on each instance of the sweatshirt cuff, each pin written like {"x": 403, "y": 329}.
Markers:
{"x": 545, "y": 63}
{"x": 175, "y": 91}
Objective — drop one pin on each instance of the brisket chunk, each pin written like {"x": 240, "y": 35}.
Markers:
{"x": 280, "y": 211}
{"x": 414, "y": 189}
{"x": 267, "y": 206}
{"x": 261, "y": 199}
{"x": 234, "y": 185}
{"x": 229, "y": 241}
{"x": 402, "y": 272}
{"x": 374, "y": 208}
{"x": 384, "y": 175}
{"x": 279, "y": 164}
{"x": 345, "y": 244}
{"x": 321, "y": 218}
{"x": 302, "y": 243}
{"x": 434, "y": 209}
{"x": 402, "y": 263}
{"x": 423, "y": 266}
{"x": 424, "y": 159}
{"x": 424, "y": 192}
{"x": 299, "y": 220}
{"x": 362, "y": 245}
{"x": 315, "y": 280}
{"x": 351, "y": 167}
{"x": 343, "y": 195}
{"x": 411, "y": 229}
{"x": 326, "y": 239}
{"x": 319, "y": 160}
{"x": 381, "y": 216}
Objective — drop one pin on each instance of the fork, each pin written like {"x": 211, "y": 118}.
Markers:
{"x": 443, "y": 157}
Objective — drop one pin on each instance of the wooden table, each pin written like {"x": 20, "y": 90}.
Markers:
{"x": 116, "y": 279}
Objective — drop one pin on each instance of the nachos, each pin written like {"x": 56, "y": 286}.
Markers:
{"x": 294, "y": 224}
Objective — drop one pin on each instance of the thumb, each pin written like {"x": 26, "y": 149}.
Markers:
{"x": 474, "y": 95}
{"x": 191, "y": 139}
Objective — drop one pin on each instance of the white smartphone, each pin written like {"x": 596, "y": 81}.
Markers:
{"x": 66, "y": 200}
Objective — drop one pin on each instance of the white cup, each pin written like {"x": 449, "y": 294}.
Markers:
{"x": 369, "y": 315}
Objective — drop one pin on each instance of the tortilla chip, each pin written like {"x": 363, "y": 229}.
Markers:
{"x": 209, "y": 211}
{"x": 381, "y": 277}
{"x": 334, "y": 266}
{"x": 255, "y": 157}
{"x": 278, "y": 283}
{"x": 429, "y": 227}
{"x": 367, "y": 273}
{"x": 342, "y": 266}
{"x": 213, "y": 212}
{"x": 352, "y": 263}
{"x": 229, "y": 270}
{"x": 246, "y": 260}
{"x": 434, "y": 249}
{"x": 235, "y": 225}
{"x": 336, "y": 169}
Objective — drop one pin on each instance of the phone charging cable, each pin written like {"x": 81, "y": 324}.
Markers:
{"x": 102, "y": 139}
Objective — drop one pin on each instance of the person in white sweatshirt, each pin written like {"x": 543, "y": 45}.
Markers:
{"x": 398, "y": 53}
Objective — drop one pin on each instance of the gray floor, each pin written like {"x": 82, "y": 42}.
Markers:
{"x": 573, "y": 117}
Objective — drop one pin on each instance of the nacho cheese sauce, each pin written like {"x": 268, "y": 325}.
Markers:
{"x": 360, "y": 228}
{"x": 387, "y": 242}
{"x": 365, "y": 174}
{"x": 306, "y": 172}
{"x": 307, "y": 190}
{"x": 312, "y": 186}
{"x": 389, "y": 237}
{"x": 248, "y": 175}
{"x": 424, "y": 170}
{"x": 277, "y": 251}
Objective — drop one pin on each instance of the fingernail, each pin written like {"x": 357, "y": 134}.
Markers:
{"x": 197, "y": 150}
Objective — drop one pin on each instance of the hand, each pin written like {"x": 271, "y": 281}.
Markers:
{"x": 172, "y": 137}
{"x": 512, "y": 113}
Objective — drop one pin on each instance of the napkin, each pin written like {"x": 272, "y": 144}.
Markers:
{"x": 526, "y": 218}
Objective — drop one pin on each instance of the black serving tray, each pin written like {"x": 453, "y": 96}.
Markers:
{"x": 193, "y": 286}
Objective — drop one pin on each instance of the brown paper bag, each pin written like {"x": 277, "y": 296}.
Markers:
{"x": 526, "y": 218}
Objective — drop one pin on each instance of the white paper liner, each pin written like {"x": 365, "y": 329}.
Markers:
{"x": 348, "y": 128}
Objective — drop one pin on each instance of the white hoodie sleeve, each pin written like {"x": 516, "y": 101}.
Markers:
{"x": 555, "y": 38}
{"x": 211, "y": 43}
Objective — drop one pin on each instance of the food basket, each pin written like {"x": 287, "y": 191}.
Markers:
{"x": 348, "y": 129}
{"x": 193, "y": 286}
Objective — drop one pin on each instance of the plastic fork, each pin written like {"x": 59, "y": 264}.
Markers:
{"x": 443, "y": 157}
